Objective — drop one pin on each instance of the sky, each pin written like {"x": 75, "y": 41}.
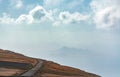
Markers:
{"x": 80, "y": 33}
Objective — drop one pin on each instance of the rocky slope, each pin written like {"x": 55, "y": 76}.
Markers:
{"x": 49, "y": 69}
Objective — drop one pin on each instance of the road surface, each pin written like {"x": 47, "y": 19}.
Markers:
{"x": 32, "y": 71}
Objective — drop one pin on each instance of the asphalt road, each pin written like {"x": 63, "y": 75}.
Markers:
{"x": 32, "y": 71}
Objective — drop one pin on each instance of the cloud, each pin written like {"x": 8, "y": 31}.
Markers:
{"x": 51, "y": 4}
{"x": 36, "y": 15}
{"x": 19, "y": 4}
{"x": 68, "y": 18}
{"x": 6, "y": 19}
{"x": 38, "y": 12}
{"x": 62, "y": 4}
{"x": 106, "y": 13}
{"x": 24, "y": 19}
{"x": 16, "y": 3}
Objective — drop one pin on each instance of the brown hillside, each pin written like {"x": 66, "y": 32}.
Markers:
{"x": 6, "y": 55}
{"x": 48, "y": 69}
{"x": 51, "y": 69}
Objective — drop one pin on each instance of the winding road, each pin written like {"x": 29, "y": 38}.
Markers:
{"x": 32, "y": 71}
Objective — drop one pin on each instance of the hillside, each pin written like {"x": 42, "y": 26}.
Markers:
{"x": 47, "y": 68}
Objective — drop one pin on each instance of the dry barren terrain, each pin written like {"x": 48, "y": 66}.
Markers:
{"x": 46, "y": 68}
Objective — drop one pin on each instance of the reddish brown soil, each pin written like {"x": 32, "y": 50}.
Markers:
{"x": 9, "y": 71}
{"x": 6, "y": 55}
{"x": 49, "y": 69}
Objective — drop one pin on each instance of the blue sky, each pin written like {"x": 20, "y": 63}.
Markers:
{"x": 80, "y": 33}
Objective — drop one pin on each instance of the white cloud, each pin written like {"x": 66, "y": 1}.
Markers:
{"x": 17, "y": 3}
{"x": 38, "y": 12}
{"x": 74, "y": 4}
{"x": 6, "y": 19}
{"x": 62, "y": 4}
{"x": 52, "y": 4}
{"x": 36, "y": 15}
{"x": 106, "y": 13}
{"x": 67, "y": 18}
{"x": 24, "y": 19}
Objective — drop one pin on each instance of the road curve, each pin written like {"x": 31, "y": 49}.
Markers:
{"x": 32, "y": 71}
